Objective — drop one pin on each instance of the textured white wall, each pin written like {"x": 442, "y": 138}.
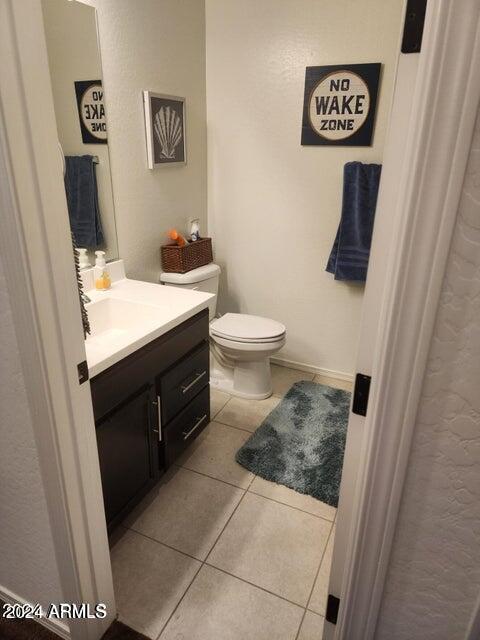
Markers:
{"x": 274, "y": 206}
{"x": 434, "y": 575}
{"x": 28, "y": 567}
{"x": 71, "y": 34}
{"x": 157, "y": 45}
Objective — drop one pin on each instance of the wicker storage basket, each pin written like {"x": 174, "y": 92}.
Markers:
{"x": 177, "y": 259}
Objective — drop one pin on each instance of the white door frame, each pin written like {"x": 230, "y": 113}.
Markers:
{"x": 37, "y": 255}
{"x": 445, "y": 104}
{"x": 35, "y": 245}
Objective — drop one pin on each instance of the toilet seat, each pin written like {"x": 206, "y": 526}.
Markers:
{"x": 245, "y": 348}
{"x": 248, "y": 329}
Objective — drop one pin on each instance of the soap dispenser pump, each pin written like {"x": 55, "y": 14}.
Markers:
{"x": 83, "y": 258}
{"x": 100, "y": 259}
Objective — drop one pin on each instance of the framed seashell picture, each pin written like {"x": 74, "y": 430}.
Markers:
{"x": 165, "y": 129}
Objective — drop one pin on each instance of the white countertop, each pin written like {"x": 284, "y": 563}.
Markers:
{"x": 136, "y": 313}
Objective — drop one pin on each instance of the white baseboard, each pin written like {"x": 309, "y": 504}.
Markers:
{"x": 319, "y": 371}
{"x": 56, "y": 626}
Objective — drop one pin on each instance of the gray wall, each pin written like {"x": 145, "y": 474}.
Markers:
{"x": 28, "y": 566}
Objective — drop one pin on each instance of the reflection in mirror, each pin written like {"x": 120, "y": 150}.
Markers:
{"x": 76, "y": 75}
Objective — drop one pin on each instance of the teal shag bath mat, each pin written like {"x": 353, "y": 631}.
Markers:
{"x": 301, "y": 442}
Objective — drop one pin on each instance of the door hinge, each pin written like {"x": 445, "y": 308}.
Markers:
{"x": 333, "y": 604}
{"x": 413, "y": 27}
{"x": 82, "y": 369}
{"x": 361, "y": 394}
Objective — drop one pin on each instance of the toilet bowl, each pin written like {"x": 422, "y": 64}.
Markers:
{"x": 240, "y": 344}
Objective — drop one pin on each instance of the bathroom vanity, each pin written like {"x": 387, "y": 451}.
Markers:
{"x": 151, "y": 403}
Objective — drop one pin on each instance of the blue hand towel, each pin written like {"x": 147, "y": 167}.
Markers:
{"x": 82, "y": 200}
{"x": 351, "y": 249}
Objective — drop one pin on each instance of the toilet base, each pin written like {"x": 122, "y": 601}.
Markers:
{"x": 251, "y": 380}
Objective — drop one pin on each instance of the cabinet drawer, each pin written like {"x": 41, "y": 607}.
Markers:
{"x": 182, "y": 383}
{"x": 183, "y": 429}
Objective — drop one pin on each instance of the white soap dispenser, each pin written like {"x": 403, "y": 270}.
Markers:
{"x": 83, "y": 261}
{"x": 100, "y": 259}
{"x": 102, "y": 277}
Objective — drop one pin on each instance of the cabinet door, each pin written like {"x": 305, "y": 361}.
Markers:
{"x": 127, "y": 439}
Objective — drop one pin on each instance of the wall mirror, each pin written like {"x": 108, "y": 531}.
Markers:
{"x": 77, "y": 84}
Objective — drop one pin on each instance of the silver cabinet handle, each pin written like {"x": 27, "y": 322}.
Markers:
{"x": 194, "y": 428}
{"x": 185, "y": 388}
{"x": 159, "y": 413}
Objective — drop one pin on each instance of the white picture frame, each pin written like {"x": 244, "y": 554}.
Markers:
{"x": 165, "y": 129}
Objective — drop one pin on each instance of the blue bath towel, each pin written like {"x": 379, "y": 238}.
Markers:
{"x": 351, "y": 249}
{"x": 82, "y": 200}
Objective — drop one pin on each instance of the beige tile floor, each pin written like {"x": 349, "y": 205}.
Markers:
{"x": 215, "y": 552}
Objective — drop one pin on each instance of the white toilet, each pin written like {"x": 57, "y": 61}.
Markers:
{"x": 240, "y": 344}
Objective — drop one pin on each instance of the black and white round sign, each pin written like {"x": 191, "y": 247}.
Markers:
{"x": 339, "y": 105}
{"x": 92, "y": 112}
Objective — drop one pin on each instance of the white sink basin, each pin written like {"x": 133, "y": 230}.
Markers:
{"x": 111, "y": 318}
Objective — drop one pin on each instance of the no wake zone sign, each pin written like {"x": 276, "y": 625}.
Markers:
{"x": 91, "y": 111}
{"x": 339, "y": 104}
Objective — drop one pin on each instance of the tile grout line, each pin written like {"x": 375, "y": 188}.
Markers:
{"x": 206, "y": 475}
{"x": 313, "y": 585}
{"x": 227, "y": 522}
{"x": 230, "y": 484}
{"x": 180, "y": 601}
{"x": 252, "y": 584}
{"x": 318, "y": 570}
{"x": 300, "y": 625}
{"x": 183, "y": 553}
{"x": 212, "y": 418}
{"x": 285, "y": 504}
{"x": 225, "y": 424}
{"x": 223, "y": 529}
{"x": 164, "y": 544}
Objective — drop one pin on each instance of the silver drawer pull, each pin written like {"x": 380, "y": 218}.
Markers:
{"x": 194, "y": 428}
{"x": 185, "y": 388}
{"x": 157, "y": 403}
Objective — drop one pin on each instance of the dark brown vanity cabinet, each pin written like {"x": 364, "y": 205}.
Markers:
{"x": 127, "y": 449}
{"x": 148, "y": 408}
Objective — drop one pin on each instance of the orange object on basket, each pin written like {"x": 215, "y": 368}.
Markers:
{"x": 177, "y": 237}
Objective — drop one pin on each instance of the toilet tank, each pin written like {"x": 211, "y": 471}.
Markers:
{"x": 202, "y": 279}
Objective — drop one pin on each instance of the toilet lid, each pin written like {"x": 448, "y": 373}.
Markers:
{"x": 247, "y": 328}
